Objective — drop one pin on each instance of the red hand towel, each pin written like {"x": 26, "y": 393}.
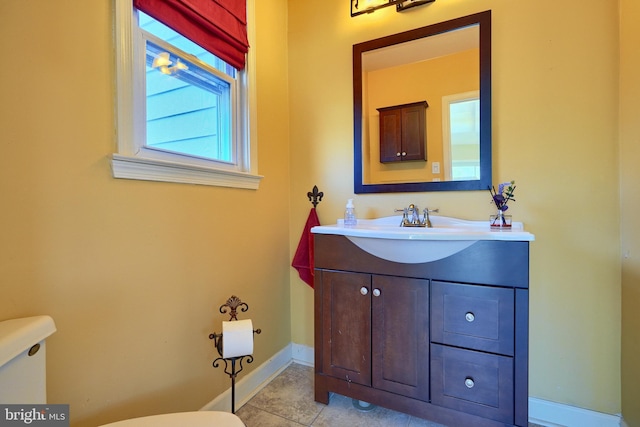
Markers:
{"x": 303, "y": 259}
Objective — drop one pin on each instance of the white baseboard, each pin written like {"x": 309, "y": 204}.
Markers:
{"x": 302, "y": 354}
{"x": 543, "y": 412}
{"x": 247, "y": 386}
{"x": 552, "y": 414}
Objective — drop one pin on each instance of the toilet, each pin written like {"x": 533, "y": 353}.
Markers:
{"x": 182, "y": 419}
{"x": 23, "y": 376}
{"x": 23, "y": 359}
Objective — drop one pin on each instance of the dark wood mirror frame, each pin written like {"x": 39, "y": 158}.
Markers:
{"x": 483, "y": 19}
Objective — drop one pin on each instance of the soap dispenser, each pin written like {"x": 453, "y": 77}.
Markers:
{"x": 350, "y": 215}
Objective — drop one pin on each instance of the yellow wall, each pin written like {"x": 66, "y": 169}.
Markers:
{"x": 630, "y": 203}
{"x": 555, "y": 73}
{"x": 132, "y": 272}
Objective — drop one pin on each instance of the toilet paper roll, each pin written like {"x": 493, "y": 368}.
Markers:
{"x": 237, "y": 338}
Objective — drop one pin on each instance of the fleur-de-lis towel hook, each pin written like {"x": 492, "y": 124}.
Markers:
{"x": 315, "y": 196}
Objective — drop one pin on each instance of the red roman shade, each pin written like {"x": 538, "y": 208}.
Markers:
{"x": 219, "y": 26}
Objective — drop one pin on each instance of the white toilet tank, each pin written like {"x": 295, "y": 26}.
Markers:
{"x": 23, "y": 359}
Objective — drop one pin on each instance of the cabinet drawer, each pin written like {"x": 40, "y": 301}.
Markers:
{"x": 472, "y": 316}
{"x": 473, "y": 382}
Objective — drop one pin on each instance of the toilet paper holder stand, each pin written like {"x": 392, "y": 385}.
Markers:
{"x": 233, "y": 365}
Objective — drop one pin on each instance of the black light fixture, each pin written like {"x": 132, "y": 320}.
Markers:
{"x": 406, "y": 4}
{"x": 358, "y": 7}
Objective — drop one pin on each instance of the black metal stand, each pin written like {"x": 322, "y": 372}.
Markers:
{"x": 232, "y": 303}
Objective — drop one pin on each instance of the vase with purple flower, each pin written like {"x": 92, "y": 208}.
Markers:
{"x": 501, "y": 199}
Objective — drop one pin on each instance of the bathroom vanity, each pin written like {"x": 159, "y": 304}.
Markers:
{"x": 429, "y": 322}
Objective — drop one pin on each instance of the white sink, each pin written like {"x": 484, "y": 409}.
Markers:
{"x": 384, "y": 238}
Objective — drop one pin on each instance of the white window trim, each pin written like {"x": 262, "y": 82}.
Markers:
{"x": 130, "y": 162}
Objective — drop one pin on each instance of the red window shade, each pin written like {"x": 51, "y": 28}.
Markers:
{"x": 220, "y": 26}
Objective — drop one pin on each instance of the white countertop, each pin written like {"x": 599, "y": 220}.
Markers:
{"x": 444, "y": 228}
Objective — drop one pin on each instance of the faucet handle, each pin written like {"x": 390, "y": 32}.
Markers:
{"x": 405, "y": 215}
{"x": 426, "y": 219}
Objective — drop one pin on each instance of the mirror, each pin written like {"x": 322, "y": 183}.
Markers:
{"x": 445, "y": 66}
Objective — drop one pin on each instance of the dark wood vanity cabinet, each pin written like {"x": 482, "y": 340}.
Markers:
{"x": 445, "y": 340}
{"x": 403, "y": 132}
{"x": 376, "y": 331}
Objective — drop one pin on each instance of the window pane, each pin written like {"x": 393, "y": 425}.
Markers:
{"x": 464, "y": 119}
{"x": 188, "y": 107}
{"x": 165, "y": 33}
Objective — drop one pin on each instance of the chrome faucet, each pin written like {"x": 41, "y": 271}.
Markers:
{"x": 411, "y": 217}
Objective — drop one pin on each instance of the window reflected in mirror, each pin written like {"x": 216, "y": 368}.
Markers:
{"x": 461, "y": 136}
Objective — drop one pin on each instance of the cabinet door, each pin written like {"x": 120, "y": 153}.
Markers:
{"x": 413, "y": 133}
{"x": 400, "y": 316}
{"x": 346, "y": 324}
{"x": 390, "y": 136}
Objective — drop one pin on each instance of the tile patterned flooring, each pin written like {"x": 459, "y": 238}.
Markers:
{"x": 287, "y": 401}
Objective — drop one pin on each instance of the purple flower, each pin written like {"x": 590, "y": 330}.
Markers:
{"x": 503, "y": 195}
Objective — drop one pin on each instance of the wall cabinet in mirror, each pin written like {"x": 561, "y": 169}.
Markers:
{"x": 402, "y": 132}
{"x": 448, "y": 64}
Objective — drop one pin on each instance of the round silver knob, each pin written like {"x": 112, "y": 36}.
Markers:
{"x": 397, "y": 154}
{"x": 469, "y": 382}
{"x": 404, "y": 153}
{"x": 376, "y": 292}
{"x": 470, "y": 317}
{"x": 364, "y": 290}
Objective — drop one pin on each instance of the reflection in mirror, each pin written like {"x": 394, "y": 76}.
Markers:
{"x": 461, "y": 136}
{"x": 446, "y": 65}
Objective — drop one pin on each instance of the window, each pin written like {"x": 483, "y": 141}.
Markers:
{"x": 182, "y": 112}
{"x": 189, "y": 105}
{"x": 461, "y": 136}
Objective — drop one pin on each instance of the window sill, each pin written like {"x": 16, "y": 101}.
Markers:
{"x": 129, "y": 167}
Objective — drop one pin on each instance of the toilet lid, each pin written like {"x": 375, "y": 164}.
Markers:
{"x": 181, "y": 419}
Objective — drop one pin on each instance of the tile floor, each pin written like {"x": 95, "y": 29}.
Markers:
{"x": 287, "y": 401}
